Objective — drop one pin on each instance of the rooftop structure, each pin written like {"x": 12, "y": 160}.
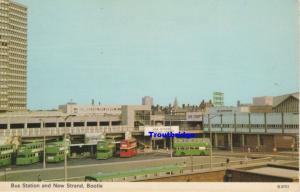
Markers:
{"x": 218, "y": 99}
{"x": 147, "y": 100}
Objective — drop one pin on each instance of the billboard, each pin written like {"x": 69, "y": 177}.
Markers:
{"x": 160, "y": 129}
{"x": 194, "y": 116}
{"x": 93, "y": 138}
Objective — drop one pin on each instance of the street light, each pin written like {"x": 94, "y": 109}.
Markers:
{"x": 171, "y": 138}
{"x": 44, "y": 145}
{"x": 210, "y": 138}
{"x": 231, "y": 145}
{"x": 65, "y": 148}
{"x": 192, "y": 162}
{"x": 5, "y": 170}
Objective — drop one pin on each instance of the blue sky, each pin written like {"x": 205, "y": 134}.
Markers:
{"x": 117, "y": 51}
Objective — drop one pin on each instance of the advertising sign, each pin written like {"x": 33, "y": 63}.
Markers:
{"x": 160, "y": 129}
{"x": 194, "y": 116}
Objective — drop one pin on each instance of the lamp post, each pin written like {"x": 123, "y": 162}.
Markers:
{"x": 5, "y": 171}
{"x": 65, "y": 148}
{"x": 231, "y": 145}
{"x": 210, "y": 138}
{"x": 231, "y": 134}
{"x": 44, "y": 145}
{"x": 171, "y": 138}
{"x": 192, "y": 162}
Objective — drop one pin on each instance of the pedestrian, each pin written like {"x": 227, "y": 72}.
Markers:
{"x": 39, "y": 178}
{"x": 227, "y": 162}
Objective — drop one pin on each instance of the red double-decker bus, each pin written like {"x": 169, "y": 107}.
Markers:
{"x": 128, "y": 148}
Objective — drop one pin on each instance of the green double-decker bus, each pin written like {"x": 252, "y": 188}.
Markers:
{"x": 55, "y": 151}
{"x": 29, "y": 153}
{"x": 192, "y": 146}
{"x": 6, "y": 152}
{"x": 105, "y": 149}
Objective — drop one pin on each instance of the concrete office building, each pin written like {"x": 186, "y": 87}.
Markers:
{"x": 228, "y": 109}
{"x": 147, "y": 100}
{"x": 13, "y": 56}
{"x": 257, "y": 131}
{"x": 283, "y": 103}
{"x": 218, "y": 99}
{"x": 265, "y": 100}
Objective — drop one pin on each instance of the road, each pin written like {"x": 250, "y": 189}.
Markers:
{"x": 81, "y": 168}
{"x": 88, "y": 161}
{"x": 78, "y": 168}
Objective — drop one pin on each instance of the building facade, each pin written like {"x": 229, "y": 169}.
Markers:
{"x": 256, "y": 131}
{"x": 287, "y": 103}
{"x": 13, "y": 56}
{"x": 265, "y": 100}
{"x": 73, "y": 108}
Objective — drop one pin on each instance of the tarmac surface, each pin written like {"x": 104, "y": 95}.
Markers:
{"x": 78, "y": 168}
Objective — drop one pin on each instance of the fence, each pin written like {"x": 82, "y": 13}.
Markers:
{"x": 38, "y": 132}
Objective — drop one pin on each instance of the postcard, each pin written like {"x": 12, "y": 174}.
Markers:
{"x": 149, "y": 95}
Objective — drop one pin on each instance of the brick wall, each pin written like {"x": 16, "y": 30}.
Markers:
{"x": 243, "y": 176}
{"x": 283, "y": 142}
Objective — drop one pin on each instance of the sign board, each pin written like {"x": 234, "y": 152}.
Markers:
{"x": 160, "y": 129}
{"x": 127, "y": 135}
{"x": 194, "y": 116}
{"x": 92, "y": 138}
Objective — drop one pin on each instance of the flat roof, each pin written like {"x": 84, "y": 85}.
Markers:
{"x": 274, "y": 171}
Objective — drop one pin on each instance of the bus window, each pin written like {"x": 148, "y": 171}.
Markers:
{"x": 21, "y": 156}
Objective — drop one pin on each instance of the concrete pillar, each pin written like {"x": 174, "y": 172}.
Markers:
{"x": 110, "y": 123}
{"x": 249, "y": 119}
{"x": 216, "y": 140}
{"x": 282, "y": 122}
{"x": 265, "y": 122}
{"x": 243, "y": 140}
{"x": 234, "y": 119}
{"x": 275, "y": 143}
{"x": 85, "y": 124}
{"x": 151, "y": 143}
{"x": 98, "y": 123}
{"x": 228, "y": 140}
{"x": 25, "y": 124}
{"x": 154, "y": 146}
{"x": 295, "y": 141}
{"x": 8, "y": 123}
{"x": 165, "y": 143}
{"x": 258, "y": 141}
{"x": 222, "y": 123}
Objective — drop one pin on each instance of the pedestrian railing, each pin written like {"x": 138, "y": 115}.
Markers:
{"x": 36, "y": 132}
{"x": 184, "y": 169}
